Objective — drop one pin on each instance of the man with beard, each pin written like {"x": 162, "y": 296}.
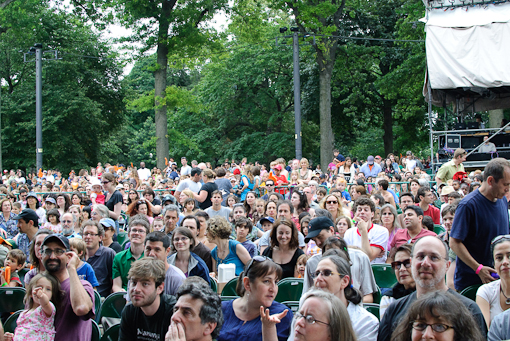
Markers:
{"x": 72, "y": 320}
{"x": 429, "y": 264}
{"x": 68, "y": 222}
{"x": 148, "y": 317}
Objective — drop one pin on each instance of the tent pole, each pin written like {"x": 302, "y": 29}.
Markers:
{"x": 429, "y": 88}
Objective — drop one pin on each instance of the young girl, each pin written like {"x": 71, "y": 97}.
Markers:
{"x": 294, "y": 178}
{"x": 84, "y": 270}
{"x": 188, "y": 207}
{"x": 231, "y": 201}
{"x": 36, "y": 323}
{"x": 299, "y": 271}
{"x": 260, "y": 205}
{"x": 342, "y": 225}
{"x": 53, "y": 222}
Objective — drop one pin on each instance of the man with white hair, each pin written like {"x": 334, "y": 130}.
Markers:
{"x": 69, "y": 222}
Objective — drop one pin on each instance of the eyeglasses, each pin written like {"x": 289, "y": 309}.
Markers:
{"x": 332, "y": 202}
{"x": 183, "y": 239}
{"x": 105, "y": 182}
{"x": 138, "y": 231}
{"x": 309, "y": 319}
{"x": 88, "y": 234}
{"x": 57, "y": 252}
{"x": 436, "y": 327}
{"x": 396, "y": 265}
{"x": 256, "y": 259}
{"x": 325, "y": 273}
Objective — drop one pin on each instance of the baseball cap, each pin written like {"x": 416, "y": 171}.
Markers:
{"x": 317, "y": 225}
{"x": 56, "y": 238}
{"x": 269, "y": 219}
{"x": 279, "y": 167}
{"x": 28, "y": 214}
{"x": 168, "y": 197}
{"x": 6, "y": 241}
{"x": 107, "y": 222}
{"x": 32, "y": 194}
{"x": 183, "y": 157}
{"x": 370, "y": 160}
{"x": 50, "y": 199}
{"x": 377, "y": 156}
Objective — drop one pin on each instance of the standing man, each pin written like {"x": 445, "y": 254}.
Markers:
{"x": 72, "y": 320}
{"x": 157, "y": 246}
{"x": 138, "y": 229}
{"x": 426, "y": 203}
{"x": 448, "y": 170}
{"x": 193, "y": 183}
{"x": 98, "y": 256}
{"x": 370, "y": 168}
{"x": 144, "y": 173}
{"x": 28, "y": 224}
{"x": 148, "y": 317}
{"x": 170, "y": 218}
{"x": 429, "y": 264}
{"x": 216, "y": 209}
{"x": 185, "y": 169}
{"x": 370, "y": 237}
{"x": 480, "y": 217}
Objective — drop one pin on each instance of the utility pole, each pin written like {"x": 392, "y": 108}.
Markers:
{"x": 37, "y": 49}
{"x": 1, "y": 165}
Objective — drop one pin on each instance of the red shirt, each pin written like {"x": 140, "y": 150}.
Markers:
{"x": 402, "y": 237}
{"x": 434, "y": 213}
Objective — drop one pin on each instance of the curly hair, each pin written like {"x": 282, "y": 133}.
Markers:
{"x": 218, "y": 227}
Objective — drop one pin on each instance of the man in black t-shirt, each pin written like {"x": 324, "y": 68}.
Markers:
{"x": 148, "y": 317}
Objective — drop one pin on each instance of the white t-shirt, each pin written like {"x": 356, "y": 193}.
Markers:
{"x": 377, "y": 235}
{"x": 365, "y": 324}
{"x": 410, "y": 164}
{"x": 144, "y": 174}
{"x": 185, "y": 170}
{"x": 188, "y": 183}
{"x": 223, "y": 212}
{"x": 490, "y": 293}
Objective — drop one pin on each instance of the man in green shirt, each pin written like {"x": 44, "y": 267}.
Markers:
{"x": 138, "y": 229}
{"x": 447, "y": 170}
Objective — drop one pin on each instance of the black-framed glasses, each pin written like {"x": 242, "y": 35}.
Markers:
{"x": 308, "y": 318}
{"x": 57, "y": 252}
{"x": 257, "y": 259}
{"x": 396, "y": 265}
{"x": 105, "y": 182}
{"x": 331, "y": 202}
{"x": 436, "y": 327}
{"x": 177, "y": 239}
{"x": 88, "y": 234}
{"x": 325, "y": 273}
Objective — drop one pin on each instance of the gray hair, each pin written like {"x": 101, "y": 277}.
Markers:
{"x": 320, "y": 212}
{"x": 103, "y": 211}
{"x": 394, "y": 212}
{"x": 170, "y": 208}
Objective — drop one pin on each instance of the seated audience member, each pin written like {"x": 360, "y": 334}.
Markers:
{"x": 426, "y": 203}
{"x": 322, "y": 316}
{"x": 72, "y": 320}
{"x": 138, "y": 229}
{"x": 257, "y": 288}
{"x": 197, "y": 313}
{"x": 243, "y": 227}
{"x": 405, "y": 281}
{"x": 14, "y": 262}
{"x": 371, "y": 238}
{"x": 182, "y": 257}
{"x": 193, "y": 224}
{"x": 157, "y": 245}
{"x": 427, "y": 223}
{"x": 35, "y": 257}
{"x": 438, "y": 315}
{"x": 299, "y": 270}
{"x": 493, "y": 297}
{"x": 429, "y": 264}
{"x": 84, "y": 269}
{"x": 109, "y": 232}
{"x": 227, "y": 251}
{"x": 284, "y": 249}
{"x": 148, "y": 315}
{"x": 500, "y": 327}
{"x": 98, "y": 256}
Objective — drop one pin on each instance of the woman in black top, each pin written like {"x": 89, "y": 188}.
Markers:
{"x": 205, "y": 194}
{"x": 114, "y": 198}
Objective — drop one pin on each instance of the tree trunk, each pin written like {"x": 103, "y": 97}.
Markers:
{"x": 159, "y": 93}
{"x": 388, "y": 127}
{"x": 325, "y": 115}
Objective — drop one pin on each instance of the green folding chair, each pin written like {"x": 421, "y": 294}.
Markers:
{"x": 384, "y": 275}
{"x": 438, "y": 229}
{"x": 11, "y": 299}
{"x": 96, "y": 333}
{"x": 11, "y": 323}
{"x": 97, "y": 303}
{"x": 372, "y": 308}
{"x": 228, "y": 298}
{"x": 111, "y": 309}
{"x": 213, "y": 284}
{"x": 293, "y": 305}
{"x": 230, "y": 288}
{"x": 377, "y": 295}
{"x": 22, "y": 274}
{"x": 470, "y": 292}
{"x": 112, "y": 333}
{"x": 289, "y": 289}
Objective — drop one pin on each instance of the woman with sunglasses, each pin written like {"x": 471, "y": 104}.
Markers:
{"x": 114, "y": 198}
{"x": 405, "y": 281}
{"x": 322, "y": 316}
{"x": 132, "y": 197}
{"x": 333, "y": 274}
{"x": 247, "y": 317}
{"x": 494, "y": 298}
{"x": 438, "y": 316}
{"x": 284, "y": 246}
{"x": 333, "y": 204}
{"x": 182, "y": 256}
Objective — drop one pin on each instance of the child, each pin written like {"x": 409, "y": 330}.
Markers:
{"x": 243, "y": 228}
{"x": 259, "y": 213}
{"x": 342, "y": 225}
{"x": 84, "y": 270}
{"x": 158, "y": 224}
{"x": 231, "y": 201}
{"x": 266, "y": 223}
{"x": 188, "y": 208}
{"x": 321, "y": 193}
{"x": 36, "y": 323}
{"x": 97, "y": 196}
{"x": 16, "y": 207}
{"x": 294, "y": 178}
{"x": 14, "y": 262}
{"x": 53, "y": 222}
{"x": 299, "y": 271}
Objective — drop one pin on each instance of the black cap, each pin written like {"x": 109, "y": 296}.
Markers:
{"x": 316, "y": 225}
{"x": 28, "y": 214}
{"x": 57, "y": 238}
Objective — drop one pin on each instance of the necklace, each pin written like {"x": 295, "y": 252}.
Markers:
{"x": 507, "y": 299}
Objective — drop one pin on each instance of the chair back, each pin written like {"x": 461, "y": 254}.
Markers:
{"x": 112, "y": 306}
{"x": 96, "y": 333}
{"x": 230, "y": 288}
{"x": 11, "y": 299}
{"x": 11, "y": 323}
{"x": 289, "y": 289}
{"x": 384, "y": 275}
{"x": 470, "y": 292}
{"x": 112, "y": 333}
{"x": 372, "y": 308}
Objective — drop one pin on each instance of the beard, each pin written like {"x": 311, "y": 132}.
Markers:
{"x": 53, "y": 265}
{"x": 67, "y": 231}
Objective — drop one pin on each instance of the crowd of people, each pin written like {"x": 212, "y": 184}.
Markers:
{"x": 63, "y": 238}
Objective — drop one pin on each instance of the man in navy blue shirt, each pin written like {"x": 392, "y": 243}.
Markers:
{"x": 480, "y": 217}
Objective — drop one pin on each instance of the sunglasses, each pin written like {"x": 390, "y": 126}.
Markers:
{"x": 396, "y": 265}
{"x": 325, "y": 273}
{"x": 256, "y": 259}
{"x": 332, "y": 202}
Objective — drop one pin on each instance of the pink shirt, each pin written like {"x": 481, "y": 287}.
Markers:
{"x": 402, "y": 237}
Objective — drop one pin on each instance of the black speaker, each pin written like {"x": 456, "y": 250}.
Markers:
{"x": 453, "y": 141}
